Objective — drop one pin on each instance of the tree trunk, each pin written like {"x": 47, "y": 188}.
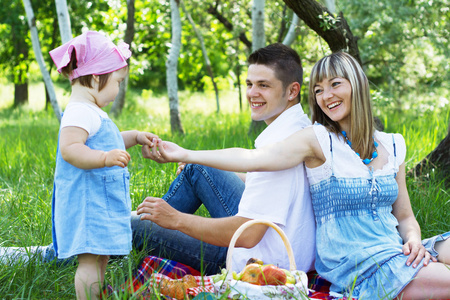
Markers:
{"x": 21, "y": 71}
{"x": 338, "y": 36}
{"x": 258, "y": 32}
{"x": 292, "y": 34}
{"x": 439, "y": 159}
{"x": 65, "y": 28}
{"x": 119, "y": 102}
{"x": 40, "y": 59}
{"x": 259, "y": 41}
{"x": 238, "y": 74}
{"x": 172, "y": 72}
{"x": 20, "y": 93}
{"x": 205, "y": 54}
{"x": 52, "y": 46}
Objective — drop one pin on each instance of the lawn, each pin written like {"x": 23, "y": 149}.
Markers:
{"x": 27, "y": 158}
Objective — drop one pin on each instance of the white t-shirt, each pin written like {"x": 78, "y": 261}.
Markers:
{"x": 281, "y": 197}
{"x": 83, "y": 115}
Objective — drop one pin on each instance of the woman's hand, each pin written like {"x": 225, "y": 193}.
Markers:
{"x": 164, "y": 152}
{"x": 416, "y": 252}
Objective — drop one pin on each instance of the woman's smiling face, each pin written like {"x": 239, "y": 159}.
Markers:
{"x": 333, "y": 95}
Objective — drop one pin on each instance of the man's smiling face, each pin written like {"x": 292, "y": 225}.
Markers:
{"x": 265, "y": 94}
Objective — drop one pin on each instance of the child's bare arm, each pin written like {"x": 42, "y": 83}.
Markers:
{"x": 73, "y": 150}
{"x": 134, "y": 137}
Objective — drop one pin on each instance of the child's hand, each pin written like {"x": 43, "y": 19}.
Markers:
{"x": 145, "y": 138}
{"x": 117, "y": 157}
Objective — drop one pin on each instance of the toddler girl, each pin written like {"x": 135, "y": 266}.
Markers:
{"x": 91, "y": 204}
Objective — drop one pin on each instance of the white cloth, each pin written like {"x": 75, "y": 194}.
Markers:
{"x": 281, "y": 197}
{"x": 77, "y": 115}
{"x": 342, "y": 157}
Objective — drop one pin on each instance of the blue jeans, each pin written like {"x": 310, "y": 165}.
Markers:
{"x": 219, "y": 191}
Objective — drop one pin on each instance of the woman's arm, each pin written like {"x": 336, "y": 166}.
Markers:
{"x": 286, "y": 154}
{"x": 408, "y": 227}
{"x": 73, "y": 150}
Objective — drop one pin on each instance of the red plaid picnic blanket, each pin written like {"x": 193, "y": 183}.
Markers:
{"x": 205, "y": 283}
{"x": 152, "y": 269}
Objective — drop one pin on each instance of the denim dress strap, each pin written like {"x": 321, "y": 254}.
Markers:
{"x": 331, "y": 152}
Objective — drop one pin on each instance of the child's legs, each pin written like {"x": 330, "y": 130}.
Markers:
{"x": 90, "y": 275}
{"x": 443, "y": 248}
{"x": 431, "y": 282}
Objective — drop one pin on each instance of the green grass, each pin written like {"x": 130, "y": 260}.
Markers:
{"x": 27, "y": 158}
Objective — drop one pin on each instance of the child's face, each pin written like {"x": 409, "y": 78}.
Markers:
{"x": 111, "y": 89}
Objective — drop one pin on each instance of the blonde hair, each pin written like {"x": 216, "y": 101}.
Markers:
{"x": 343, "y": 65}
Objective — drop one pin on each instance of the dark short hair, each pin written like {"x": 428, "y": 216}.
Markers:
{"x": 85, "y": 80}
{"x": 284, "y": 60}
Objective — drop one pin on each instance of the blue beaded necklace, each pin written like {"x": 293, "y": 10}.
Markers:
{"x": 365, "y": 161}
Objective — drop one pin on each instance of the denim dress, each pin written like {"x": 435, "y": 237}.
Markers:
{"x": 359, "y": 249}
{"x": 91, "y": 209}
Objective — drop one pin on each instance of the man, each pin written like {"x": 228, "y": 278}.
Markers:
{"x": 167, "y": 227}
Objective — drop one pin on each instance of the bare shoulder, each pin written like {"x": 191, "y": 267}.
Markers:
{"x": 316, "y": 156}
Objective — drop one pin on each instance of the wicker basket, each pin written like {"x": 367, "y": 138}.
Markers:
{"x": 239, "y": 289}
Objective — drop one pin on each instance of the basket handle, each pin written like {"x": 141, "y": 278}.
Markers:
{"x": 247, "y": 224}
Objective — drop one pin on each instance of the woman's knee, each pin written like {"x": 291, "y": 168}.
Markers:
{"x": 443, "y": 250}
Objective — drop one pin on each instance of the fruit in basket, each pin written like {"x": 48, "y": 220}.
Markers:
{"x": 251, "y": 273}
{"x": 272, "y": 275}
{"x": 290, "y": 278}
{"x": 177, "y": 288}
{"x": 236, "y": 276}
{"x": 254, "y": 260}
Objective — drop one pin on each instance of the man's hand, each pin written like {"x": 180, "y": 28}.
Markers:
{"x": 117, "y": 157}
{"x": 158, "y": 211}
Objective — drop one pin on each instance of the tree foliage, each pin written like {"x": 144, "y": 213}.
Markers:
{"x": 404, "y": 44}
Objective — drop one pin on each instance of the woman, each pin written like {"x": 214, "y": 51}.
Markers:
{"x": 368, "y": 240}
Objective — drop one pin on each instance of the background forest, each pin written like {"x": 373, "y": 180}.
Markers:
{"x": 403, "y": 46}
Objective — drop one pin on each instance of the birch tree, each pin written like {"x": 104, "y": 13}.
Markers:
{"x": 204, "y": 52}
{"x": 65, "y": 28}
{"x": 258, "y": 32}
{"x": 172, "y": 70}
{"x": 258, "y": 41}
{"x": 331, "y": 5}
{"x": 40, "y": 59}
{"x": 292, "y": 33}
{"x": 119, "y": 102}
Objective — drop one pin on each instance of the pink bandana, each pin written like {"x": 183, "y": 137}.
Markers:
{"x": 96, "y": 55}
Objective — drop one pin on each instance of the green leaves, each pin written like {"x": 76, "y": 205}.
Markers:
{"x": 328, "y": 21}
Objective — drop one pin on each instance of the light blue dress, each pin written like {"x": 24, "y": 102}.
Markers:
{"x": 91, "y": 208}
{"x": 358, "y": 246}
